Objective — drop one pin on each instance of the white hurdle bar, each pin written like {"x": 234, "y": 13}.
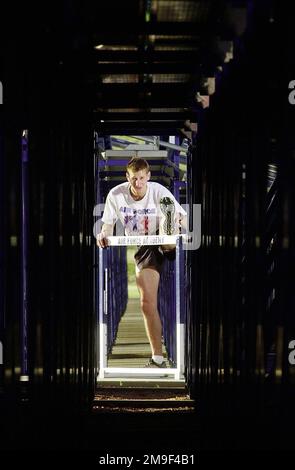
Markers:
{"x": 134, "y": 240}
{"x": 108, "y": 372}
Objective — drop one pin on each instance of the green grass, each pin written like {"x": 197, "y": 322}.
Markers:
{"x": 132, "y": 292}
{"x": 132, "y": 288}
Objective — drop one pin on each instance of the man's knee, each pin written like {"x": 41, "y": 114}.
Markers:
{"x": 148, "y": 306}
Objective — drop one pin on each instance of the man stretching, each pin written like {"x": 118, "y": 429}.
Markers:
{"x": 145, "y": 208}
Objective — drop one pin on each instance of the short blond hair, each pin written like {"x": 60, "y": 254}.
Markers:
{"x": 137, "y": 164}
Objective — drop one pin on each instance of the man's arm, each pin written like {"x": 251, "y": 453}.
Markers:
{"x": 106, "y": 231}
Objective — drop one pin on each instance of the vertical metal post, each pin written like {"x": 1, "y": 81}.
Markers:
{"x": 179, "y": 324}
{"x": 96, "y": 251}
{"x": 175, "y": 159}
{"x": 102, "y": 322}
{"x": 24, "y": 377}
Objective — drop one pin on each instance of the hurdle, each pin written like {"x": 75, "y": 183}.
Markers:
{"x": 105, "y": 372}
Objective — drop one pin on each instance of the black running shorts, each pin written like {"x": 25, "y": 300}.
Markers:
{"x": 153, "y": 257}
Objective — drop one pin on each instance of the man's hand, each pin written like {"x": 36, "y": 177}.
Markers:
{"x": 101, "y": 240}
{"x": 106, "y": 231}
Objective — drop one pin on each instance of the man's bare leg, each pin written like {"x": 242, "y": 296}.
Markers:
{"x": 148, "y": 283}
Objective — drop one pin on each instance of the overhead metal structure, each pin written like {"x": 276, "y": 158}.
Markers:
{"x": 148, "y": 68}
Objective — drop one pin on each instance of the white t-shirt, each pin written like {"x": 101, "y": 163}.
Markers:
{"x": 138, "y": 217}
